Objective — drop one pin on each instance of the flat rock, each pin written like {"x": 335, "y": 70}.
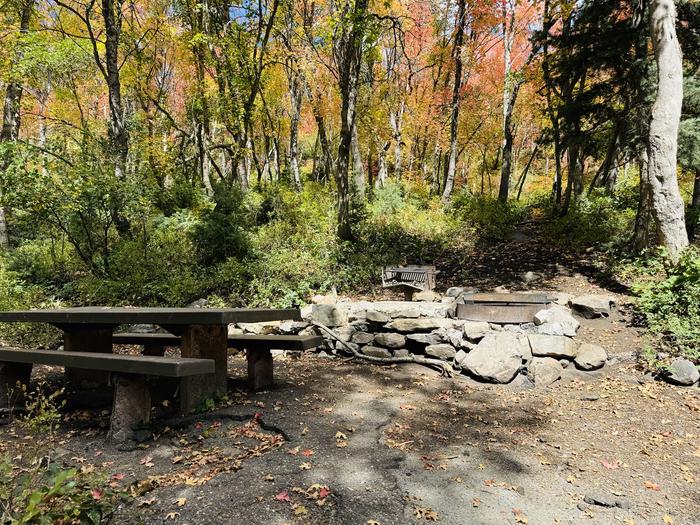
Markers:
{"x": 592, "y": 306}
{"x": 377, "y": 317}
{"x": 424, "y": 339}
{"x": 345, "y": 333}
{"x": 556, "y": 320}
{"x": 590, "y": 357}
{"x": 497, "y": 358}
{"x": 362, "y": 338}
{"x": 530, "y": 277}
{"x": 419, "y": 325}
{"x": 292, "y": 327}
{"x": 398, "y": 309}
{"x": 556, "y": 346}
{"x": 476, "y": 330}
{"x": 682, "y": 372}
{"x": 331, "y": 298}
{"x": 375, "y": 351}
{"x": 546, "y": 370}
{"x": 441, "y": 351}
{"x": 390, "y": 340}
{"x": 328, "y": 315}
{"x": 402, "y": 352}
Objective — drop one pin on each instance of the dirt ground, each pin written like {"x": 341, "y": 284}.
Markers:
{"x": 342, "y": 442}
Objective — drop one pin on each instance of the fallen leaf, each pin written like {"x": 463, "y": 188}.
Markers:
{"x": 520, "y": 517}
{"x": 172, "y": 516}
{"x": 612, "y": 466}
{"x": 180, "y": 502}
{"x": 118, "y": 476}
{"x": 308, "y": 452}
{"x": 299, "y": 510}
{"x": 651, "y": 486}
{"x": 147, "y": 502}
{"x": 147, "y": 461}
{"x": 668, "y": 520}
{"x": 305, "y": 466}
{"x": 283, "y": 496}
{"x": 476, "y": 502}
{"x": 269, "y": 477}
{"x": 96, "y": 494}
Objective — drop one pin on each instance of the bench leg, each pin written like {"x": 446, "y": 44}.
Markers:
{"x": 259, "y": 369}
{"x": 131, "y": 408}
{"x": 10, "y": 375}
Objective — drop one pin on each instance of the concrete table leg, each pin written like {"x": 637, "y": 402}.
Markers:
{"x": 131, "y": 407}
{"x": 204, "y": 342}
{"x": 259, "y": 369}
{"x": 156, "y": 350}
{"x": 10, "y": 375}
{"x": 88, "y": 339}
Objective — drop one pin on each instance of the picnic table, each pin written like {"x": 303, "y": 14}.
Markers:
{"x": 203, "y": 334}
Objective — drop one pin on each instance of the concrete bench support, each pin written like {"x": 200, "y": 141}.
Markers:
{"x": 131, "y": 408}
{"x": 12, "y": 376}
{"x": 260, "y": 375}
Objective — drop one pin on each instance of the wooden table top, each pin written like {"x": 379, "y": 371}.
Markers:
{"x": 105, "y": 315}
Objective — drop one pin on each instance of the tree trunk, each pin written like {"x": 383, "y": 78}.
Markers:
{"x": 396, "y": 123}
{"x": 640, "y": 239}
{"x": 381, "y": 174}
{"x": 358, "y": 169}
{"x": 695, "y": 205}
{"x": 11, "y": 115}
{"x": 460, "y": 23}
{"x": 295, "y": 95}
{"x": 510, "y": 93}
{"x": 348, "y": 49}
{"x": 667, "y": 204}
{"x": 119, "y": 136}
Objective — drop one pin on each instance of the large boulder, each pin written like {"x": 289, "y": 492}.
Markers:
{"x": 497, "y": 358}
{"x": 556, "y": 320}
{"x": 592, "y": 306}
{"x": 450, "y": 336}
{"x": 390, "y": 340}
{"x": 441, "y": 351}
{"x": 328, "y": 315}
{"x": 455, "y": 291}
{"x": 682, "y": 372}
{"x": 557, "y": 346}
{"x": 545, "y": 370}
{"x": 419, "y": 325}
{"x": 590, "y": 357}
{"x": 460, "y": 356}
{"x": 476, "y": 330}
{"x": 345, "y": 333}
{"x": 375, "y": 351}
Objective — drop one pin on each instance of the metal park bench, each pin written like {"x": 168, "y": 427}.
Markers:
{"x": 258, "y": 349}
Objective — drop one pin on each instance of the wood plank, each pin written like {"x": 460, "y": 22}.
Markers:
{"x": 125, "y": 364}
{"x": 507, "y": 298}
{"x": 158, "y": 316}
{"x": 502, "y": 314}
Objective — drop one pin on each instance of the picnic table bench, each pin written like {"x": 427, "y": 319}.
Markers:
{"x": 258, "y": 349}
{"x": 88, "y": 347}
{"x": 129, "y": 374}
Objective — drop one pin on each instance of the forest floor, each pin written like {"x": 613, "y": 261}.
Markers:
{"x": 343, "y": 442}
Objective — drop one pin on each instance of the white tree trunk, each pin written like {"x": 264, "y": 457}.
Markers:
{"x": 667, "y": 204}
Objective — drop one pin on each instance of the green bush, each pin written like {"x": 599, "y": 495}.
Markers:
{"x": 489, "y": 218}
{"x": 670, "y": 304}
{"x": 599, "y": 221}
{"x": 39, "y": 494}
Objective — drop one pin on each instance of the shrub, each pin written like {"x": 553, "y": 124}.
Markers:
{"x": 489, "y": 218}
{"x": 670, "y": 304}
